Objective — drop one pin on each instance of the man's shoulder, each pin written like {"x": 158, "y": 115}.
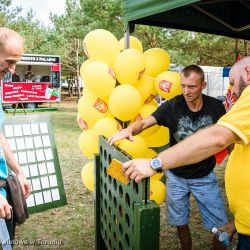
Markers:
{"x": 171, "y": 104}
{"x": 212, "y": 100}
{"x": 176, "y": 100}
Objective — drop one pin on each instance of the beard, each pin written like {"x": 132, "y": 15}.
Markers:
{"x": 242, "y": 86}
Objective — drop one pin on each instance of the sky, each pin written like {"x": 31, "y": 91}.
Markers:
{"x": 41, "y": 8}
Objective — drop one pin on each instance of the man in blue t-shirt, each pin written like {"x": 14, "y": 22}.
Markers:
{"x": 11, "y": 50}
{"x": 184, "y": 115}
{"x": 4, "y": 235}
{"x": 3, "y": 165}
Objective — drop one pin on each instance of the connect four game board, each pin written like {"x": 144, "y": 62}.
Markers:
{"x": 32, "y": 142}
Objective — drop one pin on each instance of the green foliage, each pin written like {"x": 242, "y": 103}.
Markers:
{"x": 7, "y": 13}
{"x": 64, "y": 37}
{"x": 186, "y": 47}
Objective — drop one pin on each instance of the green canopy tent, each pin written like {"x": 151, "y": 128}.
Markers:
{"x": 222, "y": 17}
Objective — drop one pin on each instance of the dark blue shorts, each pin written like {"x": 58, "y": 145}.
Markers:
{"x": 243, "y": 242}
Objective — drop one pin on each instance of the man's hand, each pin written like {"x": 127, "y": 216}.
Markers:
{"x": 229, "y": 228}
{"x": 5, "y": 208}
{"x": 125, "y": 133}
{"x": 138, "y": 169}
{"x": 25, "y": 185}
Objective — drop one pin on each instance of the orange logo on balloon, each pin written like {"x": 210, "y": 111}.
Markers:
{"x": 165, "y": 86}
{"x": 138, "y": 117}
{"x": 141, "y": 73}
{"x": 149, "y": 99}
{"x": 101, "y": 106}
{"x": 82, "y": 124}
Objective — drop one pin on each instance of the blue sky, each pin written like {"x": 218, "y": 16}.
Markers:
{"x": 41, "y": 8}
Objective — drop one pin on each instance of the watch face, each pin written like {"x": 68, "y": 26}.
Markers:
{"x": 156, "y": 163}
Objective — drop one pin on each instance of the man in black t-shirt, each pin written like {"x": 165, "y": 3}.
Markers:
{"x": 184, "y": 115}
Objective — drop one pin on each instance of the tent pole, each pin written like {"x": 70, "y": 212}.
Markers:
{"x": 126, "y": 36}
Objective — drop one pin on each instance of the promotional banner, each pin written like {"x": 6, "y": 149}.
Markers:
{"x": 29, "y": 92}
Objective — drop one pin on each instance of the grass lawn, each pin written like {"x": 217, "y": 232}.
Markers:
{"x": 73, "y": 224}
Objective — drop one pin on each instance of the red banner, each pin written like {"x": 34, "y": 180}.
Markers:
{"x": 29, "y": 92}
{"x": 55, "y": 67}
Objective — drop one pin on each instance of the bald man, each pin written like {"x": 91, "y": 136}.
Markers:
{"x": 11, "y": 49}
{"x": 233, "y": 127}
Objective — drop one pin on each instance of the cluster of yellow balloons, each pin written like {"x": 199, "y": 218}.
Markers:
{"x": 120, "y": 86}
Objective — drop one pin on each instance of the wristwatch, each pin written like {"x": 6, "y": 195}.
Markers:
{"x": 156, "y": 164}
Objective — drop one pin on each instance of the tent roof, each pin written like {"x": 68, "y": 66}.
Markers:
{"x": 222, "y": 17}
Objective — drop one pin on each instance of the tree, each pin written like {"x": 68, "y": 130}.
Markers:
{"x": 68, "y": 30}
{"x": 7, "y": 13}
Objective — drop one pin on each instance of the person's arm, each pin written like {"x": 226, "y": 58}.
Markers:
{"x": 197, "y": 147}
{"x": 134, "y": 129}
{"x": 14, "y": 166}
{"x": 193, "y": 149}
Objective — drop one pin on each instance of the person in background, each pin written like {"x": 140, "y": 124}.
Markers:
{"x": 29, "y": 76}
{"x": 11, "y": 49}
{"x": 184, "y": 115}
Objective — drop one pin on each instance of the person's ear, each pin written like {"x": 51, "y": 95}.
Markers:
{"x": 204, "y": 85}
{"x": 247, "y": 69}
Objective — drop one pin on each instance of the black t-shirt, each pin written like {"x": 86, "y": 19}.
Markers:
{"x": 182, "y": 122}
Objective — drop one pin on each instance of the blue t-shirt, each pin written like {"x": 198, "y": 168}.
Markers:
{"x": 3, "y": 165}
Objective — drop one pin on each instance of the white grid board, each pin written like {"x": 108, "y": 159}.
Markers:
{"x": 32, "y": 142}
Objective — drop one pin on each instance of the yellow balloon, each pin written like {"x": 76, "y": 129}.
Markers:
{"x": 157, "y": 61}
{"x": 146, "y": 110}
{"x": 101, "y": 45}
{"x": 91, "y": 109}
{"x": 154, "y": 102}
{"x": 129, "y": 66}
{"x": 88, "y": 143}
{"x": 134, "y": 43}
{"x": 136, "y": 149}
{"x": 83, "y": 66}
{"x": 146, "y": 88}
{"x": 157, "y": 191}
{"x": 84, "y": 90}
{"x": 99, "y": 78}
{"x": 150, "y": 153}
{"x": 109, "y": 115}
{"x": 125, "y": 102}
{"x": 159, "y": 138}
{"x": 87, "y": 175}
{"x": 106, "y": 127}
{"x": 157, "y": 176}
{"x": 168, "y": 84}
